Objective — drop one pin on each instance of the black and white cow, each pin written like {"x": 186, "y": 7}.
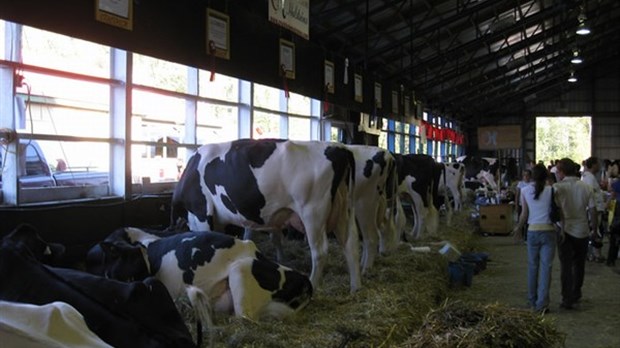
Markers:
{"x": 480, "y": 172}
{"x": 376, "y": 199}
{"x": 138, "y": 314}
{"x": 266, "y": 184}
{"x": 215, "y": 270}
{"x": 453, "y": 181}
{"x": 418, "y": 178}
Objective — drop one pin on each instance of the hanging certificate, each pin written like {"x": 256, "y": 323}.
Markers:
{"x": 358, "y": 88}
{"x": 118, "y": 13}
{"x": 218, "y": 34}
{"x": 329, "y": 77}
{"x": 287, "y": 59}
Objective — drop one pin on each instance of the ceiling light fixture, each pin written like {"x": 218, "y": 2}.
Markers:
{"x": 576, "y": 59}
{"x": 572, "y": 78}
{"x": 582, "y": 28}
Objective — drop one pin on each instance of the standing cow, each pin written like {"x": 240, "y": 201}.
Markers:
{"x": 418, "y": 178}
{"x": 266, "y": 184}
{"x": 376, "y": 199}
{"x": 453, "y": 181}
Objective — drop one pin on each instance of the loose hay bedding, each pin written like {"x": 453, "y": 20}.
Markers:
{"x": 397, "y": 294}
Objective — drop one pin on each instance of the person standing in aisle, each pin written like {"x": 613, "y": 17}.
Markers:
{"x": 592, "y": 167}
{"x": 526, "y": 180}
{"x": 576, "y": 200}
{"x": 541, "y": 237}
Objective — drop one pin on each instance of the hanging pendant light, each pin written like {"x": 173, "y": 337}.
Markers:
{"x": 572, "y": 78}
{"x": 576, "y": 59}
{"x": 582, "y": 28}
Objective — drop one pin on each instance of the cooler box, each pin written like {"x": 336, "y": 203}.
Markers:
{"x": 497, "y": 218}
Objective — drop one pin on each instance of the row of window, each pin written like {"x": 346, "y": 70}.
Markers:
{"x": 81, "y": 109}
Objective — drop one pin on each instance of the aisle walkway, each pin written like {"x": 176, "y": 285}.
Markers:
{"x": 595, "y": 324}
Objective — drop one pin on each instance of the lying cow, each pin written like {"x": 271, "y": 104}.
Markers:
{"x": 216, "y": 271}
{"x": 28, "y": 236}
{"x": 268, "y": 184}
{"x": 139, "y": 314}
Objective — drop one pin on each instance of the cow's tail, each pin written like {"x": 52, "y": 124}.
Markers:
{"x": 445, "y": 196}
{"x": 390, "y": 222}
{"x": 202, "y": 311}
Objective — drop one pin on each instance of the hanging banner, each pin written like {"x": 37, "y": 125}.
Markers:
{"x": 293, "y": 15}
{"x": 499, "y": 137}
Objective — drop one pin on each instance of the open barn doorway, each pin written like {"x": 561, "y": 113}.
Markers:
{"x": 560, "y": 136}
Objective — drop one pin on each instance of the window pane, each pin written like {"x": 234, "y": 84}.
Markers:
{"x": 265, "y": 125}
{"x": 222, "y": 87}
{"x": 66, "y": 91}
{"x": 383, "y": 140}
{"x": 406, "y": 148}
{"x": 159, "y": 73}
{"x": 397, "y": 142}
{"x": 157, "y": 116}
{"x": 161, "y": 163}
{"x": 298, "y": 104}
{"x": 61, "y": 106}
{"x": 335, "y": 135}
{"x": 71, "y": 156}
{"x": 217, "y": 123}
{"x": 266, "y": 97}
{"x": 299, "y": 128}
{"x": 61, "y": 52}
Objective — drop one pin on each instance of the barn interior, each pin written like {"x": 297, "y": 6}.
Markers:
{"x": 470, "y": 63}
{"x": 395, "y": 67}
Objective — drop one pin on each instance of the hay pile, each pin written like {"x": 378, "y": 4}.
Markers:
{"x": 394, "y": 303}
{"x": 396, "y": 295}
{"x": 458, "y": 324}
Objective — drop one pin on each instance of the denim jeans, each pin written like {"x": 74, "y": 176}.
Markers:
{"x": 540, "y": 253}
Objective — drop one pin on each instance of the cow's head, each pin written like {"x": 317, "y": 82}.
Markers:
{"x": 290, "y": 290}
{"x": 28, "y": 236}
{"x": 118, "y": 260}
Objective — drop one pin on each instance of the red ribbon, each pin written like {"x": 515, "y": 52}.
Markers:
{"x": 284, "y": 82}
{"x": 212, "y": 53}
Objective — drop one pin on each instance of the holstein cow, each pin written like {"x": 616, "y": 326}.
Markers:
{"x": 376, "y": 199}
{"x": 479, "y": 172}
{"x": 215, "y": 270}
{"x": 418, "y": 177}
{"x": 453, "y": 181}
{"x": 139, "y": 314}
{"x": 266, "y": 184}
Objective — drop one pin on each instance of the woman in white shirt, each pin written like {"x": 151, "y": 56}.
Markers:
{"x": 541, "y": 237}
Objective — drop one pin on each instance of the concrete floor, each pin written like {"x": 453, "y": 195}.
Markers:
{"x": 594, "y": 324}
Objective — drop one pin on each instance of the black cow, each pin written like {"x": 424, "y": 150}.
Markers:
{"x": 28, "y": 236}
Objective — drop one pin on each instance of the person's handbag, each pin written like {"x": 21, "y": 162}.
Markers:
{"x": 554, "y": 214}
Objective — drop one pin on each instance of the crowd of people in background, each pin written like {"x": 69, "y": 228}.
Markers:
{"x": 585, "y": 196}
